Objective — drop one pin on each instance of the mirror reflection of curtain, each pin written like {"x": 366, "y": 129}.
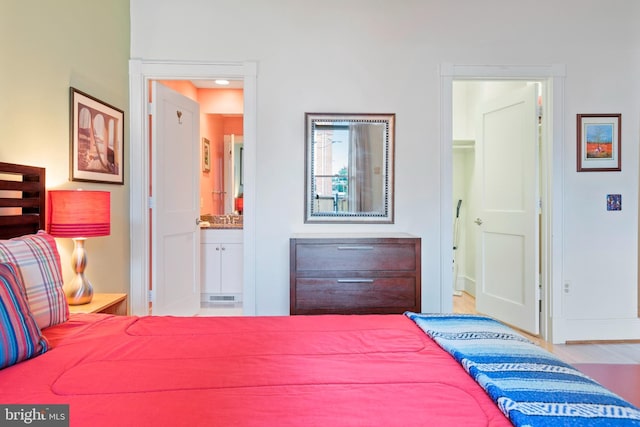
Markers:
{"x": 360, "y": 168}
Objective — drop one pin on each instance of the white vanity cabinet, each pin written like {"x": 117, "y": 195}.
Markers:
{"x": 221, "y": 265}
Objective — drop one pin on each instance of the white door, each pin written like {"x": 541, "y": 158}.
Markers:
{"x": 507, "y": 252}
{"x": 175, "y": 271}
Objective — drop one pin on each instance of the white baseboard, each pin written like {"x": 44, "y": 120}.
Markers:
{"x": 467, "y": 285}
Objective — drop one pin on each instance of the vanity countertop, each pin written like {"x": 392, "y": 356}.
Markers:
{"x": 221, "y": 227}
{"x": 223, "y": 222}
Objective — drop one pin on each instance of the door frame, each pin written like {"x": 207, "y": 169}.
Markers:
{"x": 141, "y": 72}
{"x": 551, "y": 188}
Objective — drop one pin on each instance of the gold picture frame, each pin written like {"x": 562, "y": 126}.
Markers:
{"x": 206, "y": 155}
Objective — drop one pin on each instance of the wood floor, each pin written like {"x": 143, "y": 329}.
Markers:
{"x": 615, "y": 366}
{"x": 624, "y": 353}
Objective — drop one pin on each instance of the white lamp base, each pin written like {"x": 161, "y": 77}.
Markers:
{"x": 79, "y": 291}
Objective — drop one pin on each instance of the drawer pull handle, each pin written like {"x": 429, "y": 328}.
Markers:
{"x": 355, "y": 280}
{"x": 355, "y": 248}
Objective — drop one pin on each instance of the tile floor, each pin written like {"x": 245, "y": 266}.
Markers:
{"x": 220, "y": 309}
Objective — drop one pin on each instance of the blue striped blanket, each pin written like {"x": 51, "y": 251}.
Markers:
{"x": 531, "y": 386}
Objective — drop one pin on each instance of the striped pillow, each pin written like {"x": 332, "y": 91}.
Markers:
{"x": 38, "y": 262}
{"x": 20, "y": 337}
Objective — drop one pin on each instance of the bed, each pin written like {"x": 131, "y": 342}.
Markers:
{"x": 346, "y": 370}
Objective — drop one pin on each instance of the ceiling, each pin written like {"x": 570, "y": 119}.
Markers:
{"x": 210, "y": 84}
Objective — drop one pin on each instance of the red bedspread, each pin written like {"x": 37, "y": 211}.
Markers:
{"x": 251, "y": 371}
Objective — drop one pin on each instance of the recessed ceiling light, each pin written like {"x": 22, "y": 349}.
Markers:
{"x": 222, "y": 82}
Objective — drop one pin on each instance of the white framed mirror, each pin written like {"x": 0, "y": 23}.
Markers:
{"x": 349, "y": 168}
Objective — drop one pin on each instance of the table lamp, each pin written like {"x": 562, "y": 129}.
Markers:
{"x": 79, "y": 214}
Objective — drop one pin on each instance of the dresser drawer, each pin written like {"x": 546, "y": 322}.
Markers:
{"x": 355, "y": 295}
{"x": 356, "y": 256}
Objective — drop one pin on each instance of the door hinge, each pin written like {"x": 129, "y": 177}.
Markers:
{"x": 539, "y": 289}
{"x": 151, "y": 295}
{"x": 152, "y": 203}
{"x": 539, "y": 295}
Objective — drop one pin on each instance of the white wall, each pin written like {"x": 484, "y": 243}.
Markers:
{"x": 384, "y": 57}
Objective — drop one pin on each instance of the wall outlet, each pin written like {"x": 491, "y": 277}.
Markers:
{"x": 567, "y": 287}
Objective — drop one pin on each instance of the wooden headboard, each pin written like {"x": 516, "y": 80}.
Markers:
{"x": 22, "y": 200}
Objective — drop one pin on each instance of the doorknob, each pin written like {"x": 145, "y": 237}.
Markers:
{"x": 478, "y": 221}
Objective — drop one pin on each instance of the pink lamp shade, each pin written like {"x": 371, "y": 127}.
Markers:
{"x": 79, "y": 213}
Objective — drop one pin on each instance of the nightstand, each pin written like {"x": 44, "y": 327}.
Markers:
{"x": 103, "y": 303}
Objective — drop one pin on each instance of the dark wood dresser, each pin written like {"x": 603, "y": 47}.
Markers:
{"x": 355, "y": 275}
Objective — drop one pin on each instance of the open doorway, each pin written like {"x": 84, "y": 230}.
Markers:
{"x": 497, "y": 128}
{"x": 219, "y": 175}
{"x": 142, "y": 73}
{"x": 551, "y": 224}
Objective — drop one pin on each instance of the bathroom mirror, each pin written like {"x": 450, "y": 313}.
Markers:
{"x": 233, "y": 184}
{"x": 349, "y": 168}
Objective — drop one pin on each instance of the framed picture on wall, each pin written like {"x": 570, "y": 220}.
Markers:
{"x": 97, "y": 140}
{"x": 206, "y": 155}
{"x": 599, "y": 142}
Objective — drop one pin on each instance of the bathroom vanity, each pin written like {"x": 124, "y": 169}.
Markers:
{"x": 221, "y": 264}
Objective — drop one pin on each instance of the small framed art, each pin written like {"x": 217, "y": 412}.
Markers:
{"x": 206, "y": 155}
{"x": 599, "y": 142}
{"x": 97, "y": 140}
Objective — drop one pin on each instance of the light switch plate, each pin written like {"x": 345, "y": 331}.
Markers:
{"x": 614, "y": 202}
